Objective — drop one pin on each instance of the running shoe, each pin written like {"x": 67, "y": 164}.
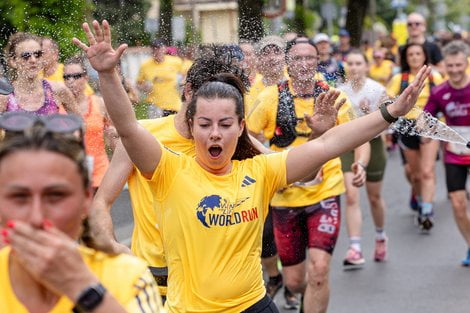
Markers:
{"x": 274, "y": 285}
{"x": 466, "y": 261}
{"x": 425, "y": 222}
{"x": 292, "y": 301}
{"x": 380, "y": 253}
{"x": 353, "y": 260}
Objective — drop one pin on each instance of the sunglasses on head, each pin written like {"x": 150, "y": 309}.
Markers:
{"x": 21, "y": 122}
{"x": 74, "y": 76}
{"x": 27, "y": 54}
{"x": 411, "y": 24}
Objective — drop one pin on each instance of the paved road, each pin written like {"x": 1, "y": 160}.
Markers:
{"x": 422, "y": 273}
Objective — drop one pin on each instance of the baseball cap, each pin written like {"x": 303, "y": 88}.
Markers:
{"x": 343, "y": 32}
{"x": 321, "y": 37}
{"x": 270, "y": 41}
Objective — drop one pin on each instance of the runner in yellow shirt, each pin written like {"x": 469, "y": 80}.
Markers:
{"x": 158, "y": 78}
{"x": 315, "y": 204}
{"x": 419, "y": 157}
{"x": 211, "y": 208}
{"x": 173, "y": 132}
{"x": 46, "y": 192}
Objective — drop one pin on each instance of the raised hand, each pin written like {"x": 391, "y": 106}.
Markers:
{"x": 100, "y": 53}
{"x": 325, "y": 113}
{"x": 407, "y": 99}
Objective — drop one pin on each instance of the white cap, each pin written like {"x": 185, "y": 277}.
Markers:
{"x": 321, "y": 37}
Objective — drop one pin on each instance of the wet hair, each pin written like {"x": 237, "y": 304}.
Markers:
{"x": 225, "y": 86}
{"x": 405, "y": 67}
{"x": 76, "y": 60}
{"x": 16, "y": 39}
{"x": 291, "y": 43}
{"x": 359, "y": 52}
{"x": 54, "y": 43}
{"x": 455, "y": 47}
{"x": 211, "y": 63}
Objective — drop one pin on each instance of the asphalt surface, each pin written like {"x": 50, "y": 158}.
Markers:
{"x": 422, "y": 273}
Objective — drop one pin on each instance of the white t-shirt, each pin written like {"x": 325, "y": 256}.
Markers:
{"x": 372, "y": 91}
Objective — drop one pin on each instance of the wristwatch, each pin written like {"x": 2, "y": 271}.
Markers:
{"x": 90, "y": 298}
{"x": 385, "y": 114}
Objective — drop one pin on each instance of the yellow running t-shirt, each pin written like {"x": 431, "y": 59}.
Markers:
{"x": 382, "y": 72}
{"x": 212, "y": 230}
{"x": 146, "y": 240}
{"x": 330, "y": 179}
{"x": 164, "y": 77}
{"x": 125, "y": 277}
{"x": 393, "y": 90}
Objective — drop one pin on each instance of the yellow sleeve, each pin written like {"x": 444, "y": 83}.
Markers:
{"x": 264, "y": 111}
{"x": 142, "y": 76}
{"x": 147, "y": 298}
{"x": 164, "y": 174}
{"x": 393, "y": 87}
{"x": 346, "y": 112}
{"x": 276, "y": 172}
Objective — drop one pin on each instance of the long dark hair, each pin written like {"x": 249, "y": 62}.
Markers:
{"x": 405, "y": 67}
{"x": 226, "y": 86}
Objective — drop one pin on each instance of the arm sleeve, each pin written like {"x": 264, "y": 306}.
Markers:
{"x": 147, "y": 299}
{"x": 276, "y": 171}
{"x": 261, "y": 116}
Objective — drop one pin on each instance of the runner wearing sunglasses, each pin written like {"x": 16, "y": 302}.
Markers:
{"x": 45, "y": 194}
{"x": 31, "y": 93}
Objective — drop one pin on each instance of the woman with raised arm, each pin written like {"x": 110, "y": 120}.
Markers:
{"x": 31, "y": 93}
{"x": 211, "y": 208}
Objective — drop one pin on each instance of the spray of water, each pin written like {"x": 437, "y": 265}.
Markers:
{"x": 428, "y": 126}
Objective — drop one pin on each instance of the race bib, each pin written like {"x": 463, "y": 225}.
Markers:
{"x": 459, "y": 149}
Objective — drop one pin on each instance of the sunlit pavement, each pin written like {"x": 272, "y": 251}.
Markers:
{"x": 422, "y": 273}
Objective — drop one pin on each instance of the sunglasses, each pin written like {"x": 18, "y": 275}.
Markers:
{"x": 415, "y": 24}
{"x": 75, "y": 76}
{"x": 27, "y": 55}
{"x": 22, "y": 122}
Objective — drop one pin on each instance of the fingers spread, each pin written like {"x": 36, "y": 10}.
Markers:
{"x": 98, "y": 32}
{"x": 106, "y": 31}
{"x": 89, "y": 35}
{"x": 79, "y": 44}
{"x": 340, "y": 104}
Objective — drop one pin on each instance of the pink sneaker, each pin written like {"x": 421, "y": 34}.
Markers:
{"x": 353, "y": 260}
{"x": 380, "y": 253}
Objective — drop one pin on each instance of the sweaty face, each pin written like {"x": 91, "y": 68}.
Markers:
{"x": 215, "y": 130}
{"x": 302, "y": 62}
{"x": 456, "y": 66}
{"x": 271, "y": 61}
{"x": 75, "y": 78}
{"x": 38, "y": 185}
{"x": 415, "y": 57}
{"x": 28, "y": 58}
{"x": 357, "y": 66}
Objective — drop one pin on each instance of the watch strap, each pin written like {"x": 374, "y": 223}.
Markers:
{"x": 90, "y": 298}
{"x": 385, "y": 114}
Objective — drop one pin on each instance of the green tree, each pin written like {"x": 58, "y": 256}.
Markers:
{"x": 58, "y": 19}
{"x": 127, "y": 18}
{"x": 355, "y": 19}
{"x": 165, "y": 28}
{"x": 250, "y": 20}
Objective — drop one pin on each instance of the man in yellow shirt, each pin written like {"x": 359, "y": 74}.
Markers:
{"x": 158, "y": 78}
{"x": 315, "y": 205}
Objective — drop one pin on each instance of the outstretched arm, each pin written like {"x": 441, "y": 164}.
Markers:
{"x": 345, "y": 137}
{"x": 144, "y": 151}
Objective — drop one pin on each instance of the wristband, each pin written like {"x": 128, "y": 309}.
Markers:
{"x": 90, "y": 298}
{"x": 385, "y": 114}
{"x": 362, "y": 165}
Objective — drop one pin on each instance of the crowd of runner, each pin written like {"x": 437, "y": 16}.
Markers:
{"x": 239, "y": 166}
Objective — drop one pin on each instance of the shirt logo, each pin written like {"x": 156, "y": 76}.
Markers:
{"x": 214, "y": 210}
{"x": 247, "y": 181}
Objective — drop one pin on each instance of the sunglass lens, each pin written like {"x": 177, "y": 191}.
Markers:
{"x": 63, "y": 123}
{"x": 16, "y": 122}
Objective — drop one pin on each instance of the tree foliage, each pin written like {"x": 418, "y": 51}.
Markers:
{"x": 58, "y": 19}
{"x": 250, "y": 20}
{"x": 127, "y": 18}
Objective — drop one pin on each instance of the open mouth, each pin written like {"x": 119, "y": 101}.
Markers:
{"x": 215, "y": 151}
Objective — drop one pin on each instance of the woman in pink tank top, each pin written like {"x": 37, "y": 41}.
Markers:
{"x": 97, "y": 125}
{"x": 32, "y": 94}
